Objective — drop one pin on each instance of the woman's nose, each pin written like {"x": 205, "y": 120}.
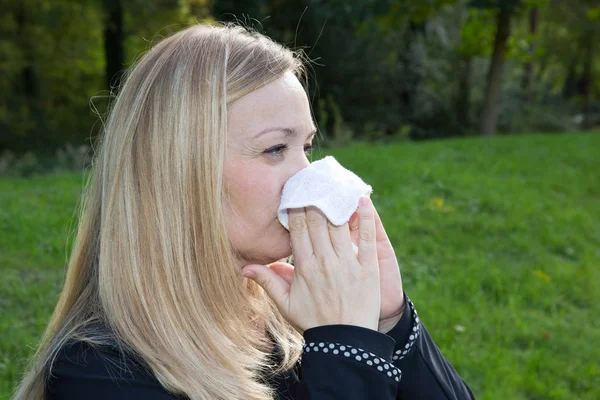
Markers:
{"x": 299, "y": 164}
{"x": 305, "y": 161}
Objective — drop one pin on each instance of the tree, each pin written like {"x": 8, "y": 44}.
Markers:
{"x": 113, "y": 41}
{"x": 534, "y": 17}
{"x": 573, "y": 35}
{"x": 476, "y": 38}
{"x": 505, "y": 11}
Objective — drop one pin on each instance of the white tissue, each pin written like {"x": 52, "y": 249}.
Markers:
{"x": 326, "y": 185}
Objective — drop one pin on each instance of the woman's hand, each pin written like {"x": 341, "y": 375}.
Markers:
{"x": 329, "y": 284}
{"x": 392, "y": 294}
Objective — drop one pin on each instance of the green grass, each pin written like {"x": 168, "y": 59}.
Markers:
{"x": 500, "y": 237}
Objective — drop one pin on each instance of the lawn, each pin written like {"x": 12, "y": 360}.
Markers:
{"x": 499, "y": 242}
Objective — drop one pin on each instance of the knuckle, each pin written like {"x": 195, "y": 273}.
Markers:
{"x": 366, "y": 216}
{"x": 298, "y": 223}
{"x": 313, "y": 220}
{"x": 367, "y": 236}
{"x": 267, "y": 285}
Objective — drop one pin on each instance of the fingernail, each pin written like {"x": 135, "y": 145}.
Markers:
{"x": 249, "y": 274}
{"x": 364, "y": 200}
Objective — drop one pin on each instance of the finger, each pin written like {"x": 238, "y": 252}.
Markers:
{"x": 367, "y": 246}
{"x": 353, "y": 226}
{"x": 380, "y": 233}
{"x": 301, "y": 245}
{"x": 382, "y": 240}
{"x": 284, "y": 270}
{"x": 275, "y": 286}
{"x": 340, "y": 239}
{"x": 319, "y": 232}
{"x": 354, "y": 219}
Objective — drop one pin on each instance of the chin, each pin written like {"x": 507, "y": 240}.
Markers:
{"x": 279, "y": 250}
{"x": 269, "y": 253}
{"x": 279, "y": 253}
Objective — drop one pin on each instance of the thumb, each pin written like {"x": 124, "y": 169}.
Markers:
{"x": 284, "y": 270}
{"x": 275, "y": 286}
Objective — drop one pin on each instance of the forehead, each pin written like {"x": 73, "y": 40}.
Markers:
{"x": 282, "y": 103}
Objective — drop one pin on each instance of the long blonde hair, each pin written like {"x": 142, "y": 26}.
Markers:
{"x": 152, "y": 259}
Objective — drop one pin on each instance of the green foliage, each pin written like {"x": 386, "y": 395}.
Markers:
{"x": 499, "y": 243}
{"x": 65, "y": 66}
{"x": 477, "y": 34}
{"x": 386, "y": 64}
{"x": 513, "y": 6}
{"x": 60, "y": 43}
{"x": 69, "y": 158}
{"x": 331, "y": 122}
{"x": 149, "y": 21}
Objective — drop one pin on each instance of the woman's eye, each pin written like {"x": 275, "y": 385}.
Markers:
{"x": 308, "y": 149}
{"x": 277, "y": 150}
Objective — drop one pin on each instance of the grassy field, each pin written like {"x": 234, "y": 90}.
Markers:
{"x": 499, "y": 242}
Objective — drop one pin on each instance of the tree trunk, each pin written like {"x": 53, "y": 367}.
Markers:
{"x": 493, "y": 89}
{"x": 587, "y": 80}
{"x": 28, "y": 129}
{"x": 463, "y": 103}
{"x": 570, "y": 85}
{"x": 113, "y": 42}
{"x": 528, "y": 71}
{"x": 29, "y": 83}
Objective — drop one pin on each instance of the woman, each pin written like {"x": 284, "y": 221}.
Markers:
{"x": 181, "y": 205}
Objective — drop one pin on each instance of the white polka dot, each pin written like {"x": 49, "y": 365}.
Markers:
{"x": 331, "y": 345}
{"x": 354, "y": 351}
{"x": 395, "y": 372}
{"x": 369, "y": 362}
{"x": 389, "y": 374}
{"x": 379, "y": 368}
{"x": 325, "y": 350}
{"x": 307, "y": 350}
{"x": 321, "y": 344}
{"x": 377, "y": 361}
{"x": 412, "y": 337}
{"x": 311, "y": 344}
{"x": 342, "y": 348}
{"x": 347, "y": 354}
{"x": 336, "y": 351}
{"x": 365, "y": 355}
{"x": 358, "y": 358}
{"x": 386, "y": 366}
{"x": 316, "y": 349}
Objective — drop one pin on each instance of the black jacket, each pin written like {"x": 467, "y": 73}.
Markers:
{"x": 339, "y": 362}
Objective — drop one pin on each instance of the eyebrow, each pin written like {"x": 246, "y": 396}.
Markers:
{"x": 287, "y": 131}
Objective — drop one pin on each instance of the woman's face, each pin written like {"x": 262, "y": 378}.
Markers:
{"x": 270, "y": 132}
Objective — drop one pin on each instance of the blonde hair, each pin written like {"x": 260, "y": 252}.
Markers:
{"x": 152, "y": 259}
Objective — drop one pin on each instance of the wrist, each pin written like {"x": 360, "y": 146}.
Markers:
{"x": 387, "y": 324}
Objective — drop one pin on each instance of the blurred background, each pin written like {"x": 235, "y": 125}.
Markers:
{"x": 499, "y": 238}
{"x": 383, "y": 69}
